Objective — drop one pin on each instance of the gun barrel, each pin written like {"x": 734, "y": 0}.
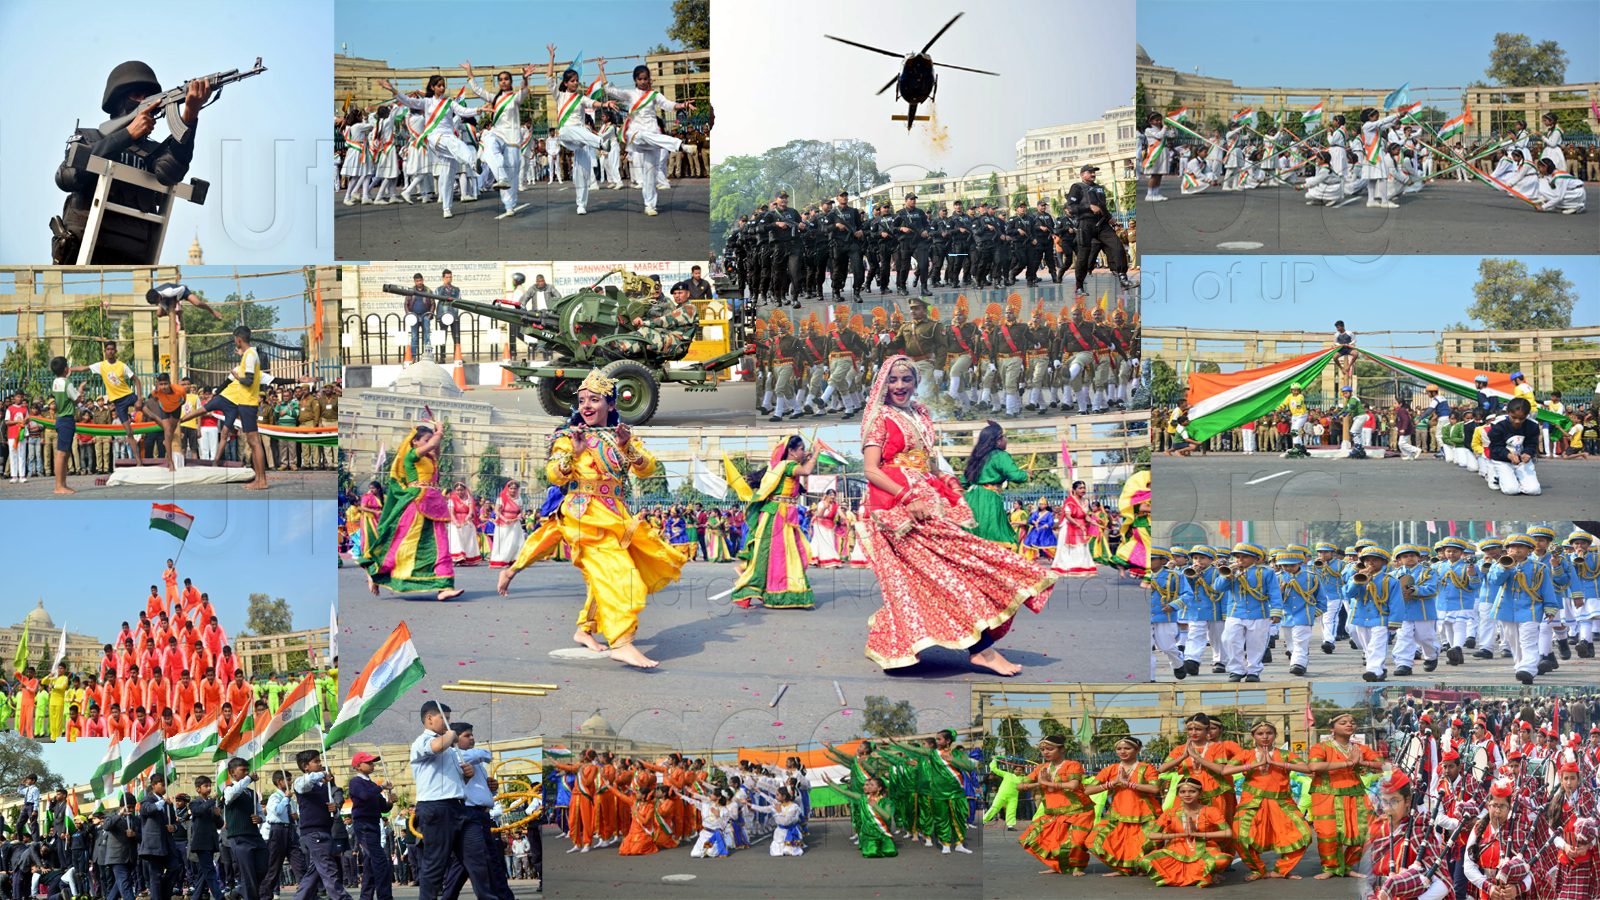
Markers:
{"x": 413, "y": 292}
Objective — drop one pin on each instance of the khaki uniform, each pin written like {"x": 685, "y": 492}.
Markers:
{"x": 310, "y": 417}
{"x": 102, "y": 443}
{"x": 962, "y": 342}
{"x": 924, "y": 342}
{"x": 1012, "y": 340}
{"x": 783, "y": 369}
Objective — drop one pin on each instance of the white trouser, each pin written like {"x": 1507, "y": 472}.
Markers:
{"x": 1409, "y": 449}
{"x": 1415, "y": 635}
{"x": 555, "y": 164}
{"x": 1456, "y": 625}
{"x": 504, "y": 161}
{"x": 1523, "y": 637}
{"x": 651, "y": 148}
{"x": 15, "y": 459}
{"x": 1249, "y": 439}
{"x": 613, "y": 163}
{"x": 583, "y": 143}
{"x": 1199, "y": 632}
{"x": 1164, "y": 636}
{"x": 454, "y": 154}
{"x": 1298, "y": 639}
{"x": 1330, "y": 619}
{"x": 1516, "y": 479}
{"x": 1246, "y": 642}
{"x": 1488, "y": 628}
{"x": 1295, "y": 424}
{"x": 208, "y": 443}
{"x": 700, "y": 843}
{"x": 1374, "y": 641}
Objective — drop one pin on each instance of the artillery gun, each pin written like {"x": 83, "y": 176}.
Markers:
{"x": 593, "y": 329}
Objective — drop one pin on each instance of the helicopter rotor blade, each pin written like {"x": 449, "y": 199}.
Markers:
{"x": 942, "y": 31}
{"x": 889, "y": 85}
{"x": 865, "y": 47}
{"x": 965, "y": 69}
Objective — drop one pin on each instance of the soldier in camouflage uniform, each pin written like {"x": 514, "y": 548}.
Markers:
{"x": 670, "y": 326}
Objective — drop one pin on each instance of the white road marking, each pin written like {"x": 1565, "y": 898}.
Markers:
{"x": 1240, "y": 245}
{"x": 1269, "y": 477}
{"x": 677, "y": 878}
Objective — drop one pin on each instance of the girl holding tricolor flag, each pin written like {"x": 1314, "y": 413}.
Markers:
{"x": 641, "y": 130}
{"x": 571, "y": 101}
{"x": 1559, "y": 191}
{"x": 1156, "y": 156}
{"x": 1373, "y": 168}
{"x": 438, "y": 131}
{"x": 502, "y": 132}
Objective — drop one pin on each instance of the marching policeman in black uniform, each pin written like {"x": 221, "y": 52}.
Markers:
{"x": 1043, "y": 247}
{"x": 938, "y": 245}
{"x": 815, "y": 234}
{"x": 780, "y": 228}
{"x": 846, "y": 229}
{"x": 960, "y": 252}
{"x": 1002, "y": 246}
{"x": 912, "y": 229}
{"x": 1086, "y": 203}
{"x": 886, "y": 244}
{"x": 986, "y": 233}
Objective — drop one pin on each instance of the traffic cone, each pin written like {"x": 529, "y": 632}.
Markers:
{"x": 460, "y": 371}
{"x": 406, "y": 361}
{"x": 505, "y": 360}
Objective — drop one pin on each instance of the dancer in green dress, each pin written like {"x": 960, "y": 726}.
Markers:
{"x": 989, "y": 467}
{"x": 943, "y": 807}
{"x": 777, "y": 554}
{"x": 411, "y": 552}
{"x": 874, "y": 818}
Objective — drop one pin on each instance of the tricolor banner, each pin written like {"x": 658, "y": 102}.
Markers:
{"x": 1454, "y": 128}
{"x": 1219, "y": 402}
{"x": 187, "y": 744}
{"x": 391, "y": 671}
{"x": 1409, "y": 113}
{"x": 299, "y": 712}
{"x": 145, "y": 754}
{"x": 104, "y": 779}
{"x": 171, "y": 519}
{"x": 1312, "y": 116}
{"x": 1181, "y": 114}
{"x": 1151, "y": 153}
{"x": 323, "y": 435}
{"x": 1242, "y": 115}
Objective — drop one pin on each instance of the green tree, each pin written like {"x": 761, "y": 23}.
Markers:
{"x": 1014, "y": 737}
{"x": 1107, "y": 732}
{"x": 655, "y": 485}
{"x": 1164, "y": 381}
{"x": 886, "y": 718}
{"x": 1140, "y": 103}
{"x": 489, "y": 482}
{"x": 1516, "y": 62}
{"x": 1207, "y": 367}
{"x": 992, "y": 193}
{"x": 90, "y": 326}
{"x": 26, "y": 368}
{"x": 809, "y": 171}
{"x": 268, "y": 616}
{"x": 1507, "y": 298}
{"x": 447, "y": 450}
{"x": 691, "y": 24}
{"x": 20, "y": 756}
{"x": 208, "y": 330}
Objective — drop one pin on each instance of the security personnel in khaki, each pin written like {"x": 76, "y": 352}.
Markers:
{"x": 102, "y": 443}
{"x": 846, "y": 353}
{"x": 785, "y": 347}
{"x": 758, "y": 330}
{"x": 814, "y": 350}
{"x": 1039, "y": 336}
{"x": 1011, "y": 346}
{"x": 962, "y": 341}
{"x": 1077, "y": 342}
{"x": 1104, "y": 358}
{"x": 310, "y": 416}
{"x": 924, "y": 341}
{"x": 989, "y": 357}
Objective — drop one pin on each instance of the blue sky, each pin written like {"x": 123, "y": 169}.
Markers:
{"x": 272, "y": 130}
{"x": 292, "y": 311}
{"x": 103, "y": 557}
{"x": 1307, "y": 293}
{"x": 1302, "y": 44}
{"x": 492, "y": 33}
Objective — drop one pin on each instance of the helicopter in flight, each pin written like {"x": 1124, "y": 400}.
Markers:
{"x": 916, "y": 82}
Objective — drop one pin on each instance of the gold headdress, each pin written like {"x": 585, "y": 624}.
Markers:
{"x": 993, "y": 312}
{"x": 961, "y": 305}
{"x": 596, "y": 383}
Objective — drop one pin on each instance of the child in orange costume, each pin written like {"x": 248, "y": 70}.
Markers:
{"x": 1135, "y": 789}
{"x": 1191, "y": 836}
{"x": 582, "y": 824}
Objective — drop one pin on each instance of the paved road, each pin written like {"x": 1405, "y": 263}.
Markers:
{"x": 1011, "y": 873}
{"x": 284, "y": 485}
{"x": 550, "y": 228}
{"x": 1447, "y": 217}
{"x": 720, "y": 665}
{"x": 1345, "y": 663}
{"x": 729, "y": 404}
{"x": 522, "y": 888}
{"x": 831, "y": 868}
{"x": 1321, "y": 490}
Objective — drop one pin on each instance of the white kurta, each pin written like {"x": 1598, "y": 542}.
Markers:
{"x": 1153, "y": 135}
{"x": 1371, "y": 132}
{"x": 385, "y": 159}
{"x": 1552, "y": 150}
{"x": 1561, "y": 192}
{"x": 644, "y": 137}
{"x": 356, "y": 149}
{"x": 1325, "y": 185}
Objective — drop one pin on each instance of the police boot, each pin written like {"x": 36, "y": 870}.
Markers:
{"x": 1428, "y": 665}
{"x": 1566, "y": 651}
{"x": 1545, "y": 664}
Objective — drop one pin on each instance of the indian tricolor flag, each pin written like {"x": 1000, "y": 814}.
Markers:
{"x": 104, "y": 779}
{"x": 1218, "y": 402}
{"x": 1181, "y": 114}
{"x": 203, "y": 736}
{"x": 1462, "y": 381}
{"x": 1243, "y": 115}
{"x": 828, "y": 454}
{"x": 558, "y": 752}
{"x": 170, "y": 518}
{"x": 297, "y": 714}
{"x": 1455, "y": 127}
{"x": 386, "y": 677}
{"x": 145, "y": 754}
{"x": 241, "y": 740}
{"x": 1151, "y": 153}
{"x": 1409, "y": 112}
{"x": 1312, "y": 116}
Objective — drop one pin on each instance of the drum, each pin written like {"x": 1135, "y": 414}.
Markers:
{"x": 1480, "y": 763}
{"x": 1408, "y": 753}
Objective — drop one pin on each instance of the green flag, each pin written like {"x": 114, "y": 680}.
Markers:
{"x": 19, "y": 662}
{"x": 1085, "y": 729}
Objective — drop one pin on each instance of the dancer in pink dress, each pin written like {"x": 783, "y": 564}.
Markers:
{"x": 1073, "y": 558}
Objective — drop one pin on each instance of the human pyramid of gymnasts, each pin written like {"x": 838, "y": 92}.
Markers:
{"x": 1505, "y": 811}
{"x": 894, "y": 789}
{"x": 1183, "y": 821}
{"x": 1384, "y": 154}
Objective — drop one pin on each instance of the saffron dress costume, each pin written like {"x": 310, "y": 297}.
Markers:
{"x": 1060, "y": 833}
{"x": 1187, "y": 861}
{"x": 622, "y": 557}
{"x": 1118, "y": 838}
{"x": 942, "y": 585}
{"x": 410, "y": 550}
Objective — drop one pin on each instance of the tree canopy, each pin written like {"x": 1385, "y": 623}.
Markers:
{"x": 886, "y": 718}
{"x": 810, "y": 171}
{"x": 1516, "y": 62}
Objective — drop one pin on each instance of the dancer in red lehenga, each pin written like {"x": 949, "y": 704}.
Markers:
{"x": 942, "y": 586}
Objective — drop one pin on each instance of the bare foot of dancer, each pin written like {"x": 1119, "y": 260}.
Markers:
{"x": 1111, "y": 874}
{"x": 450, "y": 594}
{"x": 1048, "y": 872}
{"x": 372, "y": 586}
{"x": 62, "y": 490}
{"x": 505, "y": 582}
{"x": 1253, "y": 876}
{"x": 587, "y": 639}
{"x": 631, "y": 655}
{"x": 1322, "y": 876}
{"x": 260, "y": 484}
{"x": 991, "y": 659}
{"x": 1290, "y": 877}
{"x": 1078, "y": 873}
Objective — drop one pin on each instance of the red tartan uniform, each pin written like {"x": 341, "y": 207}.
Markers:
{"x": 1411, "y": 842}
{"x": 1577, "y": 876}
{"x": 1482, "y": 859}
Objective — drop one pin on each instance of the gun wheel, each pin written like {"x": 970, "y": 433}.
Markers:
{"x": 558, "y": 396}
{"x": 638, "y": 392}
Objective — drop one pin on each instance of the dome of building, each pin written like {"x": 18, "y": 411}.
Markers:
{"x": 196, "y": 258}
{"x": 39, "y": 618}
{"x": 426, "y": 379}
{"x": 595, "y": 726}
{"x": 1141, "y": 57}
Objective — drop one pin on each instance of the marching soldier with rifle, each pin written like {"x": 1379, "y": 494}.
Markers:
{"x": 846, "y": 229}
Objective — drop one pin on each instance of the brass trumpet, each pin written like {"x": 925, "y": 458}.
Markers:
{"x": 1361, "y": 577}
{"x": 1224, "y": 571}
{"x": 1320, "y": 564}
{"x": 1484, "y": 566}
{"x": 1507, "y": 561}
{"x": 1191, "y": 571}
{"x": 1406, "y": 581}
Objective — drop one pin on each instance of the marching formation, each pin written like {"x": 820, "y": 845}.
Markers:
{"x": 1524, "y": 598}
{"x": 1086, "y": 359}
{"x": 1383, "y": 155}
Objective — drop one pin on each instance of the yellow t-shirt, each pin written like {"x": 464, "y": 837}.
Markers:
{"x": 1525, "y": 391}
{"x": 191, "y": 402}
{"x": 245, "y": 389}
{"x": 1296, "y": 404}
{"x": 117, "y": 378}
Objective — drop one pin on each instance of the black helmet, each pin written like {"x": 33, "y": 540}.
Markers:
{"x": 123, "y": 80}
{"x": 518, "y": 278}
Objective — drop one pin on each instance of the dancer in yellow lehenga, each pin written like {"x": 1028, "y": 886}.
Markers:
{"x": 622, "y": 557}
